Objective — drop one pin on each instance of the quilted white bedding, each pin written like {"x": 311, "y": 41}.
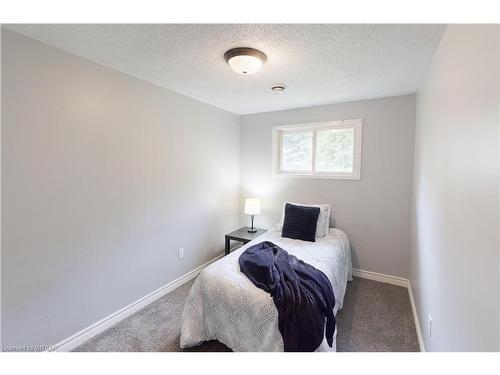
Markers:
{"x": 224, "y": 305}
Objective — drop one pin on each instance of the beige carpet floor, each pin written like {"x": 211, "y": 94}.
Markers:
{"x": 376, "y": 317}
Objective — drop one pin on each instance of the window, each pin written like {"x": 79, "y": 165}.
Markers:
{"x": 320, "y": 150}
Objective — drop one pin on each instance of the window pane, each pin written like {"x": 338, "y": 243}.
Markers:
{"x": 334, "y": 150}
{"x": 296, "y": 153}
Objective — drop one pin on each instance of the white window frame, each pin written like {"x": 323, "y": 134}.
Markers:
{"x": 355, "y": 124}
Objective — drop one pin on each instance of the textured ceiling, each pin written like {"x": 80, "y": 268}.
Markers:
{"x": 318, "y": 63}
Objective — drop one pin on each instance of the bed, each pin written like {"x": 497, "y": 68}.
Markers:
{"x": 224, "y": 305}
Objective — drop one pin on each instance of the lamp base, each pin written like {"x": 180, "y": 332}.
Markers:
{"x": 250, "y": 230}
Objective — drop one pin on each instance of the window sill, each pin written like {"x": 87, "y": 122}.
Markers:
{"x": 319, "y": 176}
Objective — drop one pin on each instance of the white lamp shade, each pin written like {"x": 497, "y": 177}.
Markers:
{"x": 252, "y": 206}
{"x": 245, "y": 64}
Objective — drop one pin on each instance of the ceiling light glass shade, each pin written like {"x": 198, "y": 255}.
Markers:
{"x": 245, "y": 64}
{"x": 245, "y": 60}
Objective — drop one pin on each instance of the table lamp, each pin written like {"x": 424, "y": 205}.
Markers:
{"x": 252, "y": 207}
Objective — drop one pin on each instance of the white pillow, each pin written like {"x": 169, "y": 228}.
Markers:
{"x": 323, "y": 225}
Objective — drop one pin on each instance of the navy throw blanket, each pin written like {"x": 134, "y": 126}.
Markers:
{"x": 302, "y": 294}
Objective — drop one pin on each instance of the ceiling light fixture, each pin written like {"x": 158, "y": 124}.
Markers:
{"x": 245, "y": 60}
{"x": 278, "y": 89}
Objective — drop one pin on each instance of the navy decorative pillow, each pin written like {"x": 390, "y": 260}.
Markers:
{"x": 300, "y": 222}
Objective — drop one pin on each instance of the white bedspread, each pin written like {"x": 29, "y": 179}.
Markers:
{"x": 223, "y": 304}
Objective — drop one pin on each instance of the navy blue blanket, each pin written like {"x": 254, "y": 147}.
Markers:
{"x": 302, "y": 294}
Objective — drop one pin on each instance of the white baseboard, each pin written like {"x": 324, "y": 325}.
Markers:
{"x": 415, "y": 318}
{"x": 399, "y": 281}
{"x": 388, "y": 279}
{"x": 96, "y": 328}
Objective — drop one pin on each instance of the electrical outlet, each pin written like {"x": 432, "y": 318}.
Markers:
{"x": 429, "y": 325}
{"x": 180, "y": 252}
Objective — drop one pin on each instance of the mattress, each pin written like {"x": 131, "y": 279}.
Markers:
{"x": 224, "y": 305}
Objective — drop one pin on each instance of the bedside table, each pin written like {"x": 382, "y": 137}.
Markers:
{"x": 242, "y": 235}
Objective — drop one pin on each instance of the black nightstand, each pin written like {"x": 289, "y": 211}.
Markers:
{"x": 242, "y": 235}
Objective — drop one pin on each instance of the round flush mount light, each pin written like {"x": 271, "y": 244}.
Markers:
{"x": 278, "y": 89}
{"x": 245, "y": 60}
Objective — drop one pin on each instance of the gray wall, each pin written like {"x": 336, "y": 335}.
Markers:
{"x": 105, "y": 176}
{"x": 455, "y": 244}
{"x": 0, "y": 190}
{"x": 374, "y": 211}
